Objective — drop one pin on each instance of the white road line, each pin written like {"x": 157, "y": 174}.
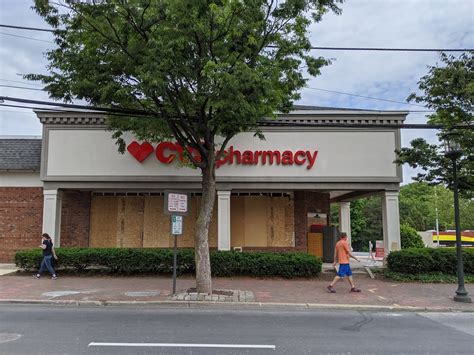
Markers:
{"x": 185, "y": 345}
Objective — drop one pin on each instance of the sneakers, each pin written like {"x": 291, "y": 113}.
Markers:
{"x": 355, "y": 289}
{"x": 331, "y": 289}
{"x": 37, "y": 276}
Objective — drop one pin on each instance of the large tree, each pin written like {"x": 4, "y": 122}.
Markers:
{"x": 421, "y": 204}
{"x": 449, "y": 91}
{"x": 202, "y": 70}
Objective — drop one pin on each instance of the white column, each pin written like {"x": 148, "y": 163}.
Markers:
{"x": 223, "y": 220}
{"x": 52, "y": 215}
{"x": 391, "y": 221}
{"x": 345, "y": 219}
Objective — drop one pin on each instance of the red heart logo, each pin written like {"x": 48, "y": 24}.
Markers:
{"x": 140, "y": 151}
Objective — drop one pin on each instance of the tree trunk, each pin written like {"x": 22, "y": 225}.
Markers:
{"x": 201, "y": 237}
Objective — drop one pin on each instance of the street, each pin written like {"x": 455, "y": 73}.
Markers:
{"x": 43, "y": 329}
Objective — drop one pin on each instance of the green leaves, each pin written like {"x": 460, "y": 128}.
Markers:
{"x": 409, "y": 237}
{"x": 429, "y": 260}
{"x": 449, "y": 90}
{"x": 127, "y": 261}
{"x": 201, "y": 68}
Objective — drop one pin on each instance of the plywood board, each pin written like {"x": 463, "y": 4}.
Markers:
{"x": 103, "y": 222}
{"x": 315, "y": 244}
{"x": 130, "y": 222}
{"x": 290, "y": 221}
{"x": 280, "y": 232}
{"x": 256, "y": 221}
{"x": 237, "y": 218}
{"x": 156, "y": 226}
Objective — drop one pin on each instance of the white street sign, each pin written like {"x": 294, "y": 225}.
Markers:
{"x": 176, "y": 203}
{"x": 176, "y": 225}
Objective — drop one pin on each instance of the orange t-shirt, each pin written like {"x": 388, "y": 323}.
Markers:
{"x": 342, "y": 252}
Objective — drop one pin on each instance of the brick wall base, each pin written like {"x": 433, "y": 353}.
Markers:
{"x": 21, "y": 218}
{"x": 75, "y": 218}
{"x": 308, "y": 201}
{"x": 21, "y": 214}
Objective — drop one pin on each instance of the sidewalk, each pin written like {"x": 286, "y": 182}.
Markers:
{"x": 300, "y": 293}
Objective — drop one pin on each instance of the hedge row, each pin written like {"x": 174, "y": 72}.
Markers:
{"x": 428, "y": 260}
{"x": 160, "y": 261}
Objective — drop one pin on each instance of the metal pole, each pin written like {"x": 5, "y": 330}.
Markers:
{"x": 174, "y": 262}
{"x": 437, "y": 220}
{"x": 461, "y": 293}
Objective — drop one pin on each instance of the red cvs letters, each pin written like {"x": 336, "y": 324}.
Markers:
{"x": 167, "y": 152}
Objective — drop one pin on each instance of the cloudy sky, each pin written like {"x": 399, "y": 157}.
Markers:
{"x": 363, "y": 23}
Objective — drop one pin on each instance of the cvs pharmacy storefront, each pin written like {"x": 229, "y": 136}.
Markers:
{"x": 271, "y": 194}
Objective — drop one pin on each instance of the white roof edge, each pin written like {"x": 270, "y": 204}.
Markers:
{"x": 20, "y": 137}
{"x": 48, "y": 113}
{"x": 345, "y": 112}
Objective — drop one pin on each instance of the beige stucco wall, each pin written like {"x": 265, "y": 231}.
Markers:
{"x": 354, "y": 155}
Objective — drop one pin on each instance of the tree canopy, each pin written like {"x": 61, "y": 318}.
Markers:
{"x": 201, "y": 70}
{"x": 418, "y": 203}
{"x": 449, "y": 91}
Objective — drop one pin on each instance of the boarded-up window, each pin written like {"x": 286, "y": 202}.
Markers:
{"x": 262, "y": 221}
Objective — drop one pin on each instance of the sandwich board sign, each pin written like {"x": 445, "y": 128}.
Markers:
{"x": 379, "y": 249}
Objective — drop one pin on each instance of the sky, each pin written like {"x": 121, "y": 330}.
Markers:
{"x": 363, "y": 23}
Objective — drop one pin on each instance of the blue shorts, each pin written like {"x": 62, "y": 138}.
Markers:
{"x": 344, "y": 270}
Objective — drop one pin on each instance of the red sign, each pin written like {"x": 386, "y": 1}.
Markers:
{"x": 379, "y": 249}
{"x": 167, "y": 152}
{"x": 140, "y": 151}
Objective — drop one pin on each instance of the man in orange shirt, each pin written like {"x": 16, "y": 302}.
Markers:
{"x": 342, "y": 254}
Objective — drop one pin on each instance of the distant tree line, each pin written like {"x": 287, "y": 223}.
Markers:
{"x": 418, "y": 203}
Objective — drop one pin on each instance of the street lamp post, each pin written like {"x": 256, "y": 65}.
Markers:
{"x": 453, "y": 152}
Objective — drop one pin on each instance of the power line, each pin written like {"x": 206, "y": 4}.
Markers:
{"x": 376, "y": 49}
{"x": 27, "y": 28}
{"x": 385, "y": 49}
{"x": 379, "y": 49}
{"x": 30, "y": 38}
{"x": 268, "y": 123}
{"x": 88, "y": 108}
{"x": 21, "y": 82}
{"x": 19, "y": 87}
{"x": 332, "y": 91}
{"x": 33, "y": 108}
{"x": 81, "y": 107}
{"x": 365, "y": 97}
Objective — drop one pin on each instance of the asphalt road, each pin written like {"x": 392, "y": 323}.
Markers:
{"x": 44, "y": 329}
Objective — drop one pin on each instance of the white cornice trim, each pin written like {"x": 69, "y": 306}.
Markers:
{"x": 298, "y": 116}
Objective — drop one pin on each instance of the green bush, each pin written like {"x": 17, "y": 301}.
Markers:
{"x": 160, "y": 261}
{"x": 410, "y": 238}
{"x": 429, "y": 260}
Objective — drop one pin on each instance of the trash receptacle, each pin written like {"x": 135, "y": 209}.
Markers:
{"x": 330, "y": 236}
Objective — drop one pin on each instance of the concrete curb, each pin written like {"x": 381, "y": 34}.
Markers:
{"x": 237, "y": 305}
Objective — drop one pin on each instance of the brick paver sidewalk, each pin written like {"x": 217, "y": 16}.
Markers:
{"x": 301, "y": 291}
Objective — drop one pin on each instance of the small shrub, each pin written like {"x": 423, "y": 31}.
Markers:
{"x": 410, "y": 238}
{"x": 429, "y": 260}
{"x": 127, "y": 261}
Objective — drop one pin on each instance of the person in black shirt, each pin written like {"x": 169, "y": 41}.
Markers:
{"x": 48, "y": 254}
